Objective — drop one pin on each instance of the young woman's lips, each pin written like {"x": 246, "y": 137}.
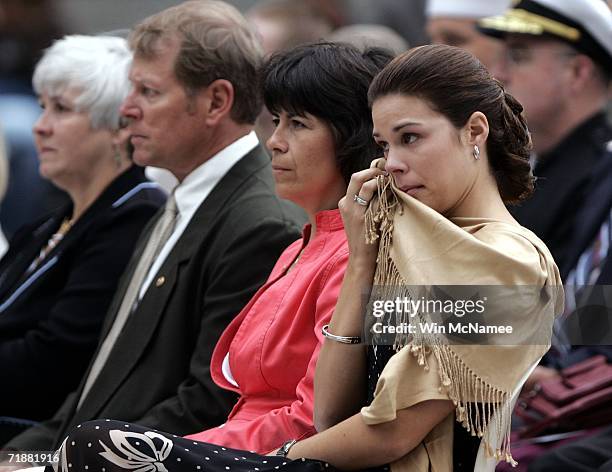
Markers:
{"x": 412, "y": 189}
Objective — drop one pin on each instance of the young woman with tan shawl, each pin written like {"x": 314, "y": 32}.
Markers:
{"x": 456, "y": 150}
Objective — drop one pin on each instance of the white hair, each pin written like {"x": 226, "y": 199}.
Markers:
{"x": 96, "y": 67}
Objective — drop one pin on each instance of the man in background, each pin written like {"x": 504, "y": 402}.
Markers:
{"x": 559, "y": 64}
{"x": 454, "y": 23}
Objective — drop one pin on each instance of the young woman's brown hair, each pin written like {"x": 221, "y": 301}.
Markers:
{"x": 456, "y": 84}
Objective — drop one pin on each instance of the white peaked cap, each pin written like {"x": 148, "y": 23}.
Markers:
{"x": 466, "y": 8}
{"x": 585, "y": 24}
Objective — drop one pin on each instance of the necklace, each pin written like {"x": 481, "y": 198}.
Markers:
{"x": 54, "y": 240}
{"x": 64, "y": 227}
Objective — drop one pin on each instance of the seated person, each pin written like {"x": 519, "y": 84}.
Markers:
{"x": 60, "y": 273}
{"x": 268, "y": 352}
{"x": 457, "y": 150}
{"x": 584, "y": 331}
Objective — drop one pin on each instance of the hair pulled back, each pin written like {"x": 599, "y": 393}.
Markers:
{"x": 454, "y": 83}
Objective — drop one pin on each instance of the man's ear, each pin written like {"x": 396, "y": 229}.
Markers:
{"x": 582, "y": 69}
{"x": 476, "y": 130}
{"x": 217, "y": 99}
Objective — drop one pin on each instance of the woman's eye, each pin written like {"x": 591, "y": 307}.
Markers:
{"x": 409, "y": 138}
{"x": 275, "y": 121}
{"x": 59, "y": 107}
{"x": 297, "y": 124}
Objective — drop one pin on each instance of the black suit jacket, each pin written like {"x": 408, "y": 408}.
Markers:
{"x": 158, "y": 373}
{"x": 564, "y": 176}
{"x": 590, "y": 327}
{"x": 50, "y": 319}
{"x": 591, "y": 216}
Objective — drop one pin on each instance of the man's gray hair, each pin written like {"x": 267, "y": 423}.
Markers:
{"x": 96, "y": 67}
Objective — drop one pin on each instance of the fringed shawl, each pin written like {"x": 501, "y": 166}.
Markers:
{"x": 418, "y": 249}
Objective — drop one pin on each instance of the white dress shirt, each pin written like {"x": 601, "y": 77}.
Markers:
{"x": 194, "y": 189}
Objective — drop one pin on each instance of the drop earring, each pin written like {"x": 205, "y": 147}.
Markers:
{"x": 476, "y": 152}
{"x": 117, "y": 155}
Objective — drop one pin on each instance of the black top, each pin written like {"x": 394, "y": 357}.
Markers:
{"x": 51, "y": 317}
{"x": 465, "y": 446}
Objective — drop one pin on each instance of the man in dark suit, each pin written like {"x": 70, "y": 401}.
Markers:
{"x": 559, "y": 64}
{"x": 591, "y": 324}
{"x": 587, "y": 326}
{"x": 191, "y": 111}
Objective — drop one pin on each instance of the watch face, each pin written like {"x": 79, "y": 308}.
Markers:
{"x": 284, "y": 449}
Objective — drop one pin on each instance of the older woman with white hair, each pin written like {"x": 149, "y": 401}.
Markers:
{"x": 59, "y": 274}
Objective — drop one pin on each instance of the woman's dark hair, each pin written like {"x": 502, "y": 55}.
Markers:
{"x": 454, "y": 83}
{"x": 329, "y": 81}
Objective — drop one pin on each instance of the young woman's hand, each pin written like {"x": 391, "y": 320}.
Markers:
{"x": 353, "y": 206}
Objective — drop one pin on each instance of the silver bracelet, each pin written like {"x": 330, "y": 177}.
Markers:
{"x": 284, "y": 449}
{"x": 340, "y": 339}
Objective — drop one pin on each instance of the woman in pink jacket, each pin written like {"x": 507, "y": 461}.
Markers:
{"x": 322, "y": 136}
{"x": 317, "y": 95}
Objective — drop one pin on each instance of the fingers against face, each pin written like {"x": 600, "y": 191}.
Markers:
{"x": 363, "y": 184}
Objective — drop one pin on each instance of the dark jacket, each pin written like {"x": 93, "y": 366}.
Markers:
{"x": 564, "y": 181}
{"x": 50, "y": 319}
{"x": 158, "y": 373}
{"x": 589, "y": 328}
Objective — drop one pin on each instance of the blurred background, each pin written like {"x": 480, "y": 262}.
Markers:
{"x": 29, "y": 26}
{"x": 91, "y": 16}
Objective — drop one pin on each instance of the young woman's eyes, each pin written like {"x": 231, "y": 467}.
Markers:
{"x": 406, "y": 138}
{"x": 275, "y": 121}
{"x": 409, "y": 138}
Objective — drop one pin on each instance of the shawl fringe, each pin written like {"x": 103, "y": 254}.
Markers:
{"x": 478, "y": 404}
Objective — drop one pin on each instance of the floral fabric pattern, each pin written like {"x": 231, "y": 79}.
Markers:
{"x": 111, "y": 446}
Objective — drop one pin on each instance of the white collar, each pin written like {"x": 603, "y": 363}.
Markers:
{"x": 192, "y": 191}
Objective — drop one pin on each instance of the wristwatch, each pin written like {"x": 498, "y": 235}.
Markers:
{"x": 284, "y": 449}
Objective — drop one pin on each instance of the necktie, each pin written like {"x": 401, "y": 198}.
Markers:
{"x": 159, "y": 236}
{"x": 585, "y": 274}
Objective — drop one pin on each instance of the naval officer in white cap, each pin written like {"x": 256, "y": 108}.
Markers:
{"x": 559, "y": 67}
{"x": 453, "y": 22}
